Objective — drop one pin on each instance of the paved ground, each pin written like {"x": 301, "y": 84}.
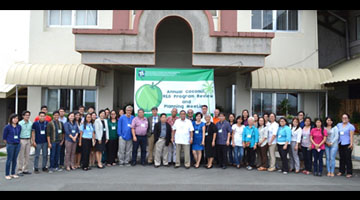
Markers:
{"x": 169, "y": 178}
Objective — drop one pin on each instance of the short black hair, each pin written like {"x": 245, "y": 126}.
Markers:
{"x": 182, "y": 111}
{"x": 221, "y": 113}
{"x": 102, "y": 110}
{"x": 62, "y": 108}
{"x": 238, "y": 117}
{"x": 81, "y": 106}
{"x": 56, "y": 112}
{"x": 42, "y": 113}
{"x": 107, "y": 109}
{"x": 91, "y": 107}
{"x": 346, "y": 115}
{"x": 12, "y": 116}
{"x": 301, "y": 112}
{"x": 69, "y": 115}
{"x": 199, "y": 113}
{"x": 24, "y": 112}
{"x": 204, "y": 106}
{"x": 154, "y": 108}
{"x": 283, "y": 118}
{"x": 328, "y": 117}
{"x": 43, "y": 107}
{"x": 163, "y": 114}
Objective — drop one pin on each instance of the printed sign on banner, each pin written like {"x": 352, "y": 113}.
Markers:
{"x": 168, "y": 88}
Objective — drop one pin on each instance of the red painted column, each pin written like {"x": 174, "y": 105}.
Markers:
{"x": 228, "y": 20}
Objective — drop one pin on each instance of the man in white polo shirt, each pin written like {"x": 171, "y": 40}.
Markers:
{"x": 182, "y": 134}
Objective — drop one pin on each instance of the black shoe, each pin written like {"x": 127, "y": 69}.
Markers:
{"x": 21, "y": 174}
{"x": 45, "y": 169}
{"x": 36, "y": 171}
{"x": 156, "y": 166}
{"x": 133, "y": 164}
{"x": 187, "y": 167}
{"x": 224, "y": 167}
{"x": 27, "y": 173}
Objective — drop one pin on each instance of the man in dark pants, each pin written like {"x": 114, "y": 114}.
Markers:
{"x": 139, "y": 128}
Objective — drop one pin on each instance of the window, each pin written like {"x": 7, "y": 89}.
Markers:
{"x": 275, "y": 20}
{"x": 70, "y": 99}
{"x": 267, "y": 102}
{"x": 72, "y": 17}
{"x": 214, "y": 13}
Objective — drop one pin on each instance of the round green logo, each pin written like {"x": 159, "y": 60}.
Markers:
{"x": 148, "y": 96}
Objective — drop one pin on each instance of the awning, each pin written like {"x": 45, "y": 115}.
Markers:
{"x": 51, "y": 75}
{"x": 345, "y": 71}
{"x": 6, "y": 90}
{"x": 289, "y": 78}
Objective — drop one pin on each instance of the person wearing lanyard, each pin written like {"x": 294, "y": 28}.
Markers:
{"x": 102, "y": 136}
{"x": 237, "y": 134}
{"x": 222, "y": 140}
{"x": 125, "y": 136}
{"x": 139, "y": 128}
{"x": 263, "y": 145}
{"x": 86, "y": 141}
{"x": 172, "y": 147}
{"x": 283, "y": 140}
{"x": 162, "y": 137}
{"x": 210, "y": 138}
{"x": 273, "y": 128}
{"x": 55, "y": 138}
{"x": 150, "y": 133}
{"x": 198, "y": 138}
{"x": 250, "y": 139}
{"x": 71, "y": 138}
{"x": 39, "y": 142}
{"x": 331, "y": 147}
{"x": 318, "y": 138}
{"x": 346, "y": 141}
{"x": 78, "y": 120}
{"x": 182, "y": 136}
{"x": 112, "y": 145}
{"x": 25, "y": 135}
{"x": 11, "y": 137}
{"x": 63, "y": 119}
{"x": 306, "y": 145}
{"x": 296, "y": 131}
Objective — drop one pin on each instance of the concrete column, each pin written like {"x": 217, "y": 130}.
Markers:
{"x": 34, "y": 101}
{"x": 242, "y": 94}
{"x": 106, "y": 91}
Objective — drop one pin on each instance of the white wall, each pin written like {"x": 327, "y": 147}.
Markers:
{"x": 289, "y": 49}
{"x": 34, "y": 101}
{"x": 54, "y": 45}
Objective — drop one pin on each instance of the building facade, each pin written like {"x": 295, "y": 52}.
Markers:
{"x": 259, "y": 57}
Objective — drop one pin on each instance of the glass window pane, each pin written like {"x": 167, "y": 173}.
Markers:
{"x": 92, "y": 17}
{"x": 293, "y": 103}
{"x": 256, "y": 100}
{"x": 293, "y": 20}
{"x": 267, "y": 20}
{"x": 77, "y": 98}
{"x": 80, "y": 17}
{"x": 280, "y": 99}
{"x": 256, "y": 19}
{"x": 65, "y": 99}
{"x": 267, "y": 103}
{"x": 90, "y": 98}
{"x": 281, "y": 20}
{"x": 52, "y": 100}
{"x": 54, "y": 17}
{"x": 66, "y": 17}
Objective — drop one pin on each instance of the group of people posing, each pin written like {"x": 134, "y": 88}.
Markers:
{"x": 113, "y": 138}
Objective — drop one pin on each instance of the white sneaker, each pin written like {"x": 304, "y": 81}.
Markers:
{"x": 249, "y": 168}
{"x": 285, "y": 173}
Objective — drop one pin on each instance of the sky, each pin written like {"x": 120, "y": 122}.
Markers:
{"x": 14, "y": 38}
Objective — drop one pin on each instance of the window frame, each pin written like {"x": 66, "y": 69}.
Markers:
{"x": 73, "y": 21}
{"x": 71, "y": 96}
{"x": 274, "y": 23}
{"x": 274, "y": 101}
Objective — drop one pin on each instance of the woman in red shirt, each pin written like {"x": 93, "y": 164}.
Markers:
{"x": 318, "y": 138}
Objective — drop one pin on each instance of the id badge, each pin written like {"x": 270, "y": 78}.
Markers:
{"x": 59, "y": 131}
{"x": 279, "y": 136}
{"x": 113, "y": 127}
{"x": 342, "y": 133}
{"x": 142, "y": 125}
{"x": 129, "y": 125}
{"x": 220, "y": 131}
{"x": 304, "y": 137}
{"x": 196, "y": 132}
{"x": 206, "y": 133}
{"x": 248, "y": 136}
{"x": 104, "y": 129}
{"x": 16, "y": 137}
{"x": 72, "y": 131}
{"x": 42, "y": 132}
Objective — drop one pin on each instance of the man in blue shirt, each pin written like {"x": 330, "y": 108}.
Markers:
{"x": 125, "y": 137}
{"x": 222, "y": 140}
{"x": 40, "y": 142}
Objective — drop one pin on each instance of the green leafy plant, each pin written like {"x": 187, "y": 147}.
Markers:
{"x": 284, "y": 106}
{"x": 208, "y": 88}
